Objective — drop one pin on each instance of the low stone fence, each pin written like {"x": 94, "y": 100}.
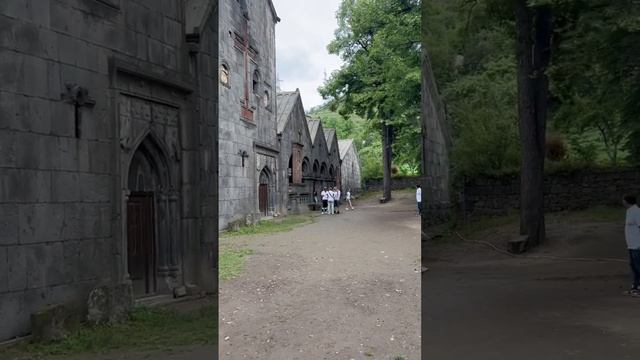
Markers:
{"x": 571, "y": 190}
{"x": 397, "y": 183}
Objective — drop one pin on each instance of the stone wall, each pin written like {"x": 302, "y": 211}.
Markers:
{"x": 563, "y": 191}
{"x": 397, "y": 183}
{"x": 64, "y": 159}
{"x": 435, "y": 149}
{"x": 256, "y": 137}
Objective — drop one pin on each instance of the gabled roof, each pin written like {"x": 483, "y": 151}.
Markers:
{"x": 344, "y": 146}
{"x": 285, "y": 102}
{"x": 329, "y": 135}
{"x": 314, "y": 125}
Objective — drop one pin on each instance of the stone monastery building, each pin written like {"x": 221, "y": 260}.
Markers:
{"x": 131, "y": 132}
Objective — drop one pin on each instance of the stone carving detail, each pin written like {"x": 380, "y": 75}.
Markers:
{"x": 126, "y": 136}
{"x": 172, "y": 143}
{"x": 137, "y": 115}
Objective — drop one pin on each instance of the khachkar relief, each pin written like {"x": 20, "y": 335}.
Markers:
{"x": 138, "y": 116}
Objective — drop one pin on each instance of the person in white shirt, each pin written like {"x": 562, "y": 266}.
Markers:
{"x": 331, "y": 198}
{"x": 419, "y": 199}
{"x": 337, "y": 200}
{"x": 325, "y": 198}
{"x": 632, "y": 236}
{"x": 349, "y": 199}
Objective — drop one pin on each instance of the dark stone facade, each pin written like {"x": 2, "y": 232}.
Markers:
{"x": 572, "y": 190}
{"x": 103, "y": 103}
{"x": 250, "y": 170}
{"x": 435, "y": 150}
{"x": 304, "y": 143}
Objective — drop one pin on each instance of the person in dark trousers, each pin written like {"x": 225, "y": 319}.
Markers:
{"x": 632, "y": 236}
{"x": 419, "y": 199}
{"x": 325, "y": 195}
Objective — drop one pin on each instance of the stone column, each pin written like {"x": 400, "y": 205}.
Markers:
{"x": 175, "y": 249}
{"x": 163, "y": 229}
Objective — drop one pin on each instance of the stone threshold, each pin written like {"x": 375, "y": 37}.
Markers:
{"x": 15, "y": 341}
{"x": 162, "y": 300}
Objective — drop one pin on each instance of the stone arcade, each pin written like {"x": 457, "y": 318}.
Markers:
{"x": 304, "y": 157}
{"x": 108, "y": 151}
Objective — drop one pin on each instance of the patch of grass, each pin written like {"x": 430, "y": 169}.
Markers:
{"x": 399, "y": 358}
{"x": 148, "y": 329}
{"x": 475, "y": 226}
{"x": 231, "y": 262}
{"x": 271, "y": 226}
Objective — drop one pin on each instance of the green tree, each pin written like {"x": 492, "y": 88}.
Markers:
{"x": 379, "y": 41}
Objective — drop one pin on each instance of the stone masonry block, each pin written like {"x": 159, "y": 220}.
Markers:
{"x": 15, "y": 9}
{"x": 8, "y": 144}
{"x": 11, "y": 66}
{"x": 38, "y": 12}
{"x": 8, "y": 224}
{"x": 4, "y": 269}
{"x": 95, "y": 188}
{"x": 34, "y": 114}
{"x": 100, "y": 157}
{"x": 62, "y": 122}
{"x": 12, "y": 312}
{"x": 35, "y": 186}
{"x": 27, "y": 38}
{"x": 41, "y": 223}
{"x": 45, "y": 265}
{"x": 64, "y": 186}
{"x": 7, "y": 32}
{"x": 33, "y": 78}
{"x": 17, "y": 268}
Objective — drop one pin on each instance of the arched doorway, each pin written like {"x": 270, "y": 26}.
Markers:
{"x": 147, "y": 217}
{"x": 263, "y": 192}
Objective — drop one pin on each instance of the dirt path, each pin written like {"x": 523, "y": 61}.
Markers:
{"x": 484, "y": 305}
{"x": 345, "y": 287}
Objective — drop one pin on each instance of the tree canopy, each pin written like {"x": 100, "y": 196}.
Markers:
{"x": 594, "y": 78}
{"x": 379, "y": 42}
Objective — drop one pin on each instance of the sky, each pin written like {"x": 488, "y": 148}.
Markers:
{"x": 302, "y": 36}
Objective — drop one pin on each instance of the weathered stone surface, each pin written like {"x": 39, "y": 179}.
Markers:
{"x": 40, "y": 223}
{"x": 110, "y": 304}
{"x": 563, "y": 191}
{"x": 435, "y": 150}
{"x": 63, "y": 170}
{"x": 53, "y": 322}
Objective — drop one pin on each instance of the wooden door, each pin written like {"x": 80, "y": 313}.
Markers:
{"x": 263, "y": 199}
{"x": 140, "y": 239}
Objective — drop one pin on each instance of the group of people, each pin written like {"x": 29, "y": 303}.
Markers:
{"x": 331, "y": 200}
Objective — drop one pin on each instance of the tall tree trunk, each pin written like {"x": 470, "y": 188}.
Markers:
{"x": 387, "y": 135}
{"x": 533, "y": 89}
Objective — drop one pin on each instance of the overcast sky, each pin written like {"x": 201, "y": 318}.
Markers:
{"x": 302, "y": 36}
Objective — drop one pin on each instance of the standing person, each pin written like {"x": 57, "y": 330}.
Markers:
{"x": 632, "y": 236}
{"x": 349, "y": 199}
{"x": 419, "y": 199}
{"x": 338, "y": 194}
{"x": 331, "y": 196}
{"x": 325, "y": 197}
